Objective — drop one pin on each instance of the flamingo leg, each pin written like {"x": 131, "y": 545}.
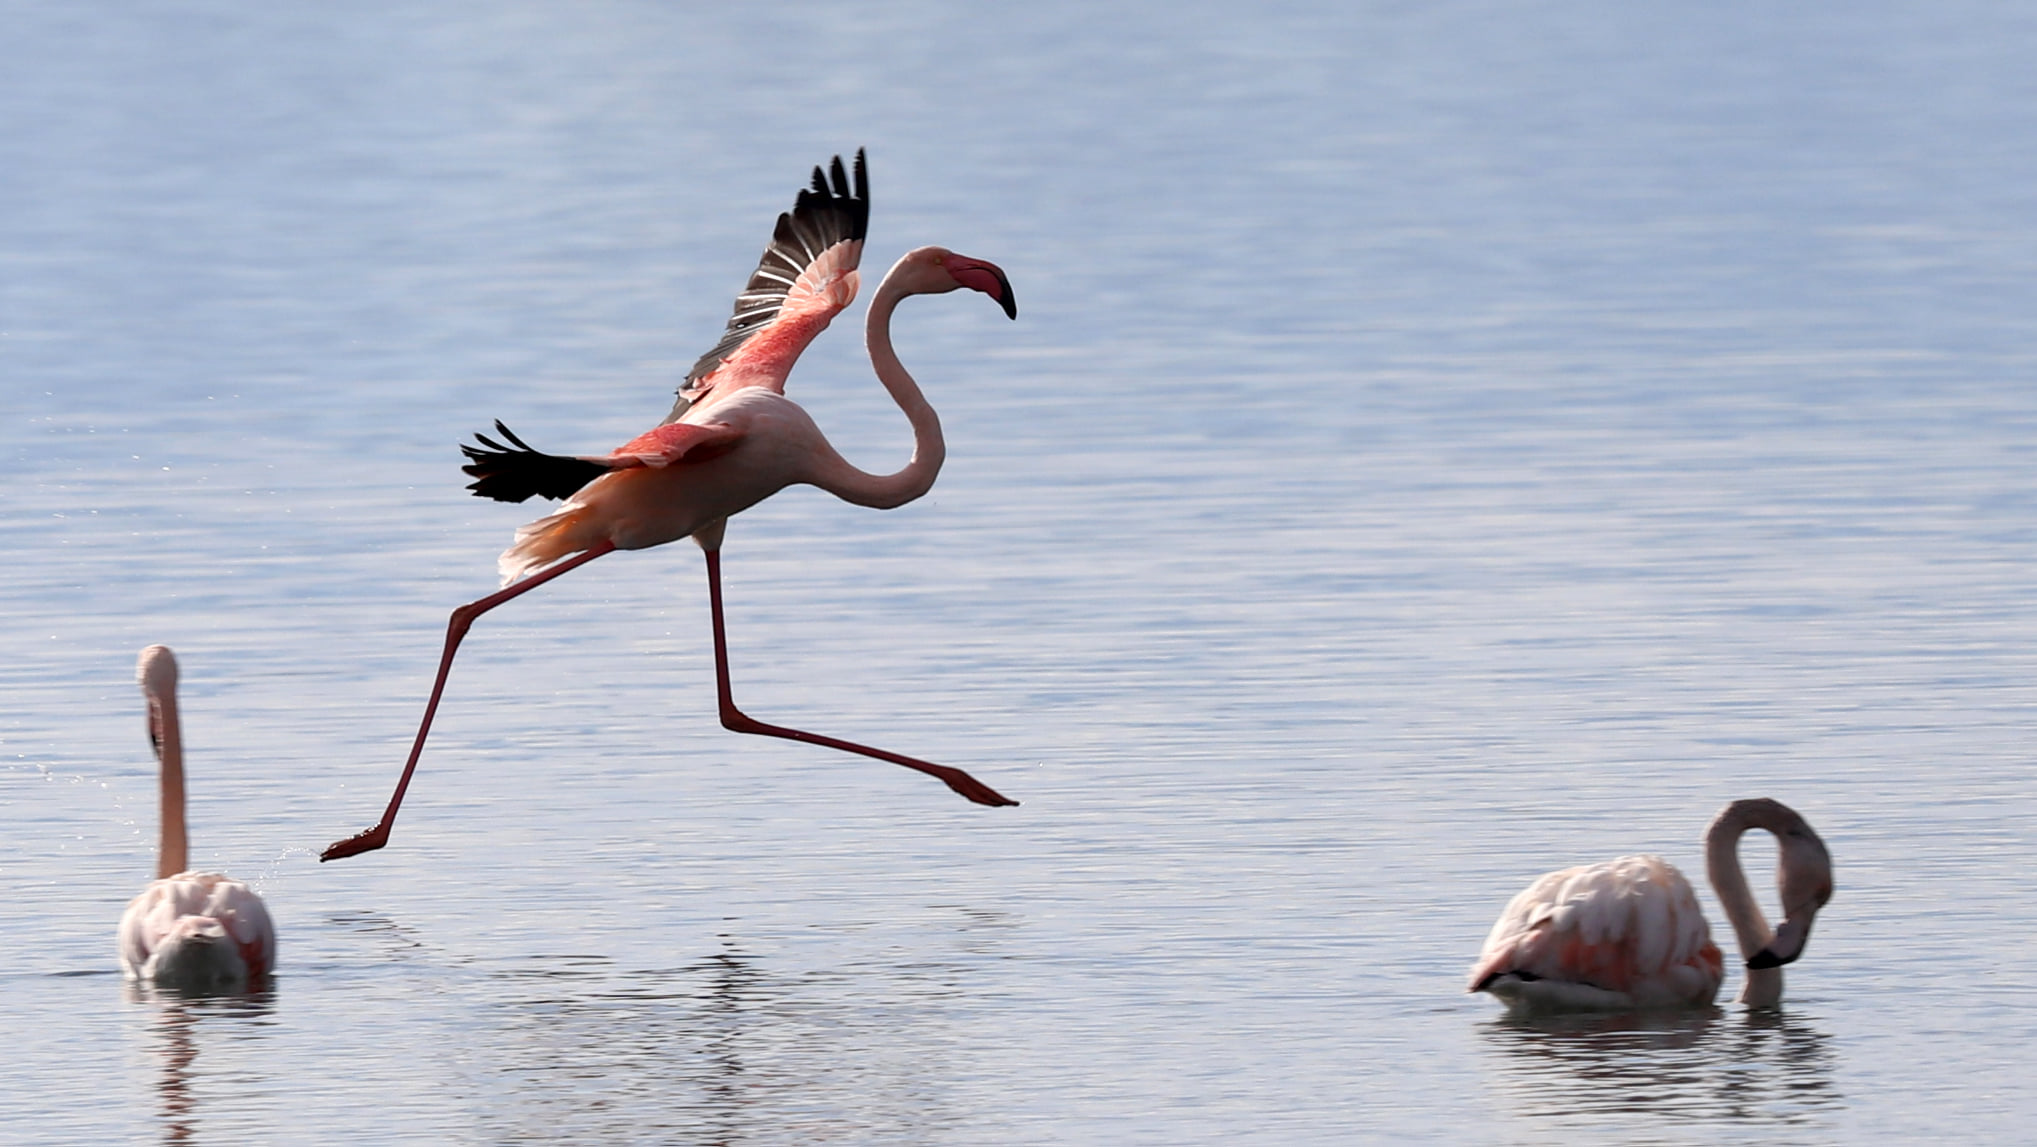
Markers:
{"x": 456, "y": 629}
{"x": 737, "y": 721}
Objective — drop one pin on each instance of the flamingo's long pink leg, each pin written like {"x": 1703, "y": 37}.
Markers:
{"x": 456, "y": 629}
{"x": 736, "y": 720}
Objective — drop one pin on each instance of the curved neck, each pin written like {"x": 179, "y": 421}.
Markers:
{"x": 172, "y": 854}
{"x": 1750, "y": 927}
{"x": 929, "y": 449}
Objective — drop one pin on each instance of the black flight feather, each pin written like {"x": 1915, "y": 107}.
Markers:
{"x": 513, "y": 473}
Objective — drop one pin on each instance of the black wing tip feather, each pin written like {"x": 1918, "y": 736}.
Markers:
{"x": 856, "y": 199}
{"x": 832, "y": 209}
{"x": 515, "y": 472}
{"x": 832, "y": 192}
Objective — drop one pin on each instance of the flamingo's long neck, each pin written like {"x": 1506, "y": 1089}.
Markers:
{"x": 174, "y": 854}
{"x": 929, "y": 449}
{"x": 1750, "y": 927}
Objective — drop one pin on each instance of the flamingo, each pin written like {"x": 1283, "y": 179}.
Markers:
{"x": 731, "y": 440}
{"x": 1628, "y": 933}
{"x": 196, "y": 931}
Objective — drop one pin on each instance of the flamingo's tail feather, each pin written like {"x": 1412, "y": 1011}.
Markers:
{"x": 545, "y": 541}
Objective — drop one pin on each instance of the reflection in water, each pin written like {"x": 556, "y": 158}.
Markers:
{"x": 1762, "y": 1066}
{"x": 981, "y": 931}
{"x": 721, "y": 1051}
{"x": 393, "y": 941}
{"x": 179, "y": 1019}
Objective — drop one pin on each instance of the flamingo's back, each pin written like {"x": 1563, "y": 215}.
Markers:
{"x": 197, "y": 930}
{"x": 1619, "y": 934}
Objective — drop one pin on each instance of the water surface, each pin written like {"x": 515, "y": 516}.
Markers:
{"x": 1439, "y": 444}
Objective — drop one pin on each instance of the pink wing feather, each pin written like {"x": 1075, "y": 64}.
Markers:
{"x": 163, "y": 933}
{"x": 1630, "y": 926}
{"x": 805, "y": 277}
{"x": 674, "y": 441}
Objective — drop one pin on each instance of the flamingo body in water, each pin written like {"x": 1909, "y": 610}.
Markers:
{"x": 1628, "y": 933}
{"x": 731, "y": 440}
{"x": 196, "y": 931}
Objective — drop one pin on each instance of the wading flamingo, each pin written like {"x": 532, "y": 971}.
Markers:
{"x": 197, "y": 931}
{"x": 1628, "y": 933}
{"x": 731, "y": 440}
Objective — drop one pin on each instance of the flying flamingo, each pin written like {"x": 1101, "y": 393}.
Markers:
{"x": 731, "y": 440}
{"x": 1628, "y": 933}
{"x": 197, "y": 931}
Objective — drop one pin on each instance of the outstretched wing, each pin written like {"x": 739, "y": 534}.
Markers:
{"x": 821, "y": 237}
{"x": 514, "y": 472}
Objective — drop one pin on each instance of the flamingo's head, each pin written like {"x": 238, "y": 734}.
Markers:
{"x": 1804, "y": 877}
{"x": 156, "y": 669}
{"x": 937, "y": 270}
{"x": 157, "y": 673}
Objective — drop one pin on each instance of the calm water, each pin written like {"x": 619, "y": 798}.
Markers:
{"x": 1439, "y": 444}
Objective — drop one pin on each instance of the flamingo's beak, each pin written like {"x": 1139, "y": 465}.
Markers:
{"x": 1004, "y": 296}
{"x": 1787, "y": 944}
{"x": 989, "y": 278}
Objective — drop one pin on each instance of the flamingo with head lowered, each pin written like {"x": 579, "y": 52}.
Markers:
{"x": 196, "y": 931}
{"x": 1628, "y": 934}
{"x": 731, "y": 440}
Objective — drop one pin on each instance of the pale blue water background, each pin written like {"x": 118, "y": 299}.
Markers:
{"x": 1440, "y": 443}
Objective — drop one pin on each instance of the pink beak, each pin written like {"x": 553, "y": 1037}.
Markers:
{"x": 989, "y": 278}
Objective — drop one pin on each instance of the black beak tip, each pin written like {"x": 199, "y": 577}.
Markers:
{"x": 1765, "y": 959}
{"x": 1005, "y": 298}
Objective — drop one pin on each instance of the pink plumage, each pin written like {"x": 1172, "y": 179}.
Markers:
{"x": 197, "y": 931}
{"x": 1621, "y": 933}
{"x": 1628, "y": 933}
{"x": 731, "y": 440}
